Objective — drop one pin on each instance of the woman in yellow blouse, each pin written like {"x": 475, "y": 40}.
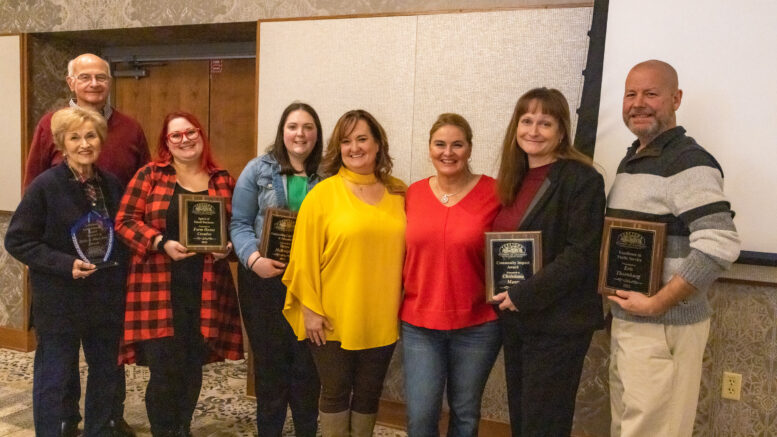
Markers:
{"x": 344, "y": 277}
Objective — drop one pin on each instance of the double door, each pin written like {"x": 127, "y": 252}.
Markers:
{"x": 220, "y": 94}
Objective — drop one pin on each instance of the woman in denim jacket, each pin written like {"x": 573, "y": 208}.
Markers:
{"x": 284, "y": 372}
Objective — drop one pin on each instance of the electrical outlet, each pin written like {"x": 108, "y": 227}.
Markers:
{"x": 731, "y": 388}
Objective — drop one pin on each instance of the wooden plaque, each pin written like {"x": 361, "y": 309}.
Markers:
{"x": 511, "y": 257}
{"x": 632, "y": 256}
{"x": 203, "y": 222}
{"x": 277, "y": 234}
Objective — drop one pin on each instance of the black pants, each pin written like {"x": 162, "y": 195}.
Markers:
{"x": 284, "y": 372}
{"x": 542, "y": 373}
{"x": 175, "y": 364}
{"x": 56, "y": 358}
{"x": 351, "y": 380}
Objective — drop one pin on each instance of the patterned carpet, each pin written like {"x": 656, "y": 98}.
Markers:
{"x": 223, "y": 408}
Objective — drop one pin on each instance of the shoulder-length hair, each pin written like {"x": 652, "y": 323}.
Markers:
{"x": 163, "y": 152}
{"x": 514, "y": 162}
{"x": 278, "y": 148}
{"x": 71, "y": 118}
{"x": 333, "y": 158}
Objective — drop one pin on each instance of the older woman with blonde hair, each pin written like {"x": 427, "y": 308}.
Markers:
{"x": 63, "y": 231}
{"x": 344, "y": 278}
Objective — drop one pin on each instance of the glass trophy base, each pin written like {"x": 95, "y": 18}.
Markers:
{"x": 105, "y": 264}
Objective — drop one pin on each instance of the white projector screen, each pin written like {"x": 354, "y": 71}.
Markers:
{"x": 726, "y": 56}
{"x": 406, "y": 70}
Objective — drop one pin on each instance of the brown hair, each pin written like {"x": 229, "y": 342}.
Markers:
{"x": 333, "y": 158}
{"x": 451, "y": 119}
{"x": 514, "y": 162}
{"x": 73, "y": 117}
{"x": 278, "y": 148}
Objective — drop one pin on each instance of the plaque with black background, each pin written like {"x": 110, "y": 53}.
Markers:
{"x": 632, "y": 256}
{"x": 203, "y": 222}
{"x": 93, "y": 239}
{"x": 277, "y": 233}
{"x": 511, "y": 257}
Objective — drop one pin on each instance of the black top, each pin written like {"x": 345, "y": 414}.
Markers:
{"x": 186, "y": 274}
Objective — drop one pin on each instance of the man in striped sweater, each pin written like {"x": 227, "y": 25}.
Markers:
{"x": 658, "y": 342}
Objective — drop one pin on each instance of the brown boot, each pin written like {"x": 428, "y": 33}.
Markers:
{"x": 335, "y": 424}
{"x": 362, "y": 424}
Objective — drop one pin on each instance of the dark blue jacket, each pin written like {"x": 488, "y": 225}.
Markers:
{"x": 39, "y": 236}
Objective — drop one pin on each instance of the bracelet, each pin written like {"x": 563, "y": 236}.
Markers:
{"x": 251, "y": 267}
{"x": 160, "y": 247}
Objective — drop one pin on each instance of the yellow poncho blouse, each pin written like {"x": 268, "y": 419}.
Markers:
{"x": 346, "y": 264}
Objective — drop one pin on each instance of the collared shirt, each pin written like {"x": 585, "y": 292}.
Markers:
{"x": 106, "y": 112}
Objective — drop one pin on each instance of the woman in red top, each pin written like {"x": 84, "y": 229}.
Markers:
{"x": 181, "y": 307}
{"x": 449, "y": 333}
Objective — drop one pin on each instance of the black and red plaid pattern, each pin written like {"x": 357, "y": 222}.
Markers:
{"x": 149, "y": 313}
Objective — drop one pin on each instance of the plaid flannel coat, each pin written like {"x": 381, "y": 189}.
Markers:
{"x": 149, "y": 313}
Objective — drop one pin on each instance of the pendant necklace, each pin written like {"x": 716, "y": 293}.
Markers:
{"x": 447, "y": 196}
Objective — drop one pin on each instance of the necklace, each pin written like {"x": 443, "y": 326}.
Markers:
{"x": 447, "y": 196}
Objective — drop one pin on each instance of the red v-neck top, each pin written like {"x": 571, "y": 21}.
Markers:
{"x": 444, "y": 273}
{"x": 510, "y": 217}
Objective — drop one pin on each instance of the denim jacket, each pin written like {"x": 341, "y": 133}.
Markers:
{"x": 260, "y": 186}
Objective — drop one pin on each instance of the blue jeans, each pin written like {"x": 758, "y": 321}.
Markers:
{"x": 463, "y": 359}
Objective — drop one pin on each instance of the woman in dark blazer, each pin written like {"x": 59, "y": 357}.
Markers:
{"x": 548, "y": 319}
{"x": 73, "y": 302}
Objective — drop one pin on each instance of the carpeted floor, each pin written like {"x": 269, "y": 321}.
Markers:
{"x": 223, "y": 409}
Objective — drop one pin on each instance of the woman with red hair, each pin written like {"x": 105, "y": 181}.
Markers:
{"x": 181, "y": 307}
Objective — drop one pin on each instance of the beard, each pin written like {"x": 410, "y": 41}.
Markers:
{"x": 652, "y": 130}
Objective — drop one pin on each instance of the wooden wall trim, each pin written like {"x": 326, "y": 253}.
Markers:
{"x": 577, "y": 4}
{"x": 19, "y": 340}
{"x": 392, "y": 414}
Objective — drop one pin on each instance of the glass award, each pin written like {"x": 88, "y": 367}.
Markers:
{"x": 93, "y": 238}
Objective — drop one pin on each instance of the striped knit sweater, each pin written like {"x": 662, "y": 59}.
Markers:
{"x": 675, "y": 181}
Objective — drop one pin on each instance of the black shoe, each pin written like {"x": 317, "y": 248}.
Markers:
{"x": 69, "y": 428}
{"x": 121, "y": 428}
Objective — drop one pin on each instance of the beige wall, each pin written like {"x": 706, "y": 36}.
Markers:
{"x": 743, "y": 336}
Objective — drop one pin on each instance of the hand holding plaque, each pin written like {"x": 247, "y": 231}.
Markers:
{"x": 511, "y": 257}
{"x": 203, "y": 222}
{"x": 93, "y": 238}
{"x": 277, "y": 234}
{"x": 632, "y": 256}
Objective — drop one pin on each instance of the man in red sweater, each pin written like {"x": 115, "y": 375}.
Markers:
{"x": 124, "y": 151}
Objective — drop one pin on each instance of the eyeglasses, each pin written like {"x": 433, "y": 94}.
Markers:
{"x": 176, "y": 137}
{"x": 87, "y": 78}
